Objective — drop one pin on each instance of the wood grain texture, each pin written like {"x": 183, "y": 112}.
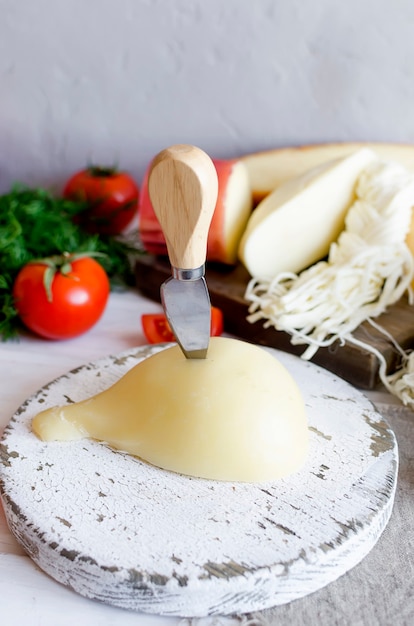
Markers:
{"x": 118, "y": 530}
{"x": 183, "y": 187}
{"x": 227, "y": 288}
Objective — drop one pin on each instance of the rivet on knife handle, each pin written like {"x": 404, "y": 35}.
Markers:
{"x": 183, "y": 190}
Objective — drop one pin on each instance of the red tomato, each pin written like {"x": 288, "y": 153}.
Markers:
{"x": 75, "y": 300}
{"x": 157, "y": 329}
{"x": 111, "y": 196}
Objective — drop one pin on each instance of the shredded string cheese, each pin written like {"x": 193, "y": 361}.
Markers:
{"x": 368, "y": 268}
{"x": 402, "y": 382}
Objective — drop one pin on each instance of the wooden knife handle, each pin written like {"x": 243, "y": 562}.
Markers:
{"x": 183, "y": 188}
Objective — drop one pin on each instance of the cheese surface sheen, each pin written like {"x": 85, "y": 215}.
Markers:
{"x": 294, "y": 226}
{"x": 237, "y": 415}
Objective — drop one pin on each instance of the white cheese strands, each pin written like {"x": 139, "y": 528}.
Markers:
{"x": 368, "y": 268}
{"x": 402, "y": 382}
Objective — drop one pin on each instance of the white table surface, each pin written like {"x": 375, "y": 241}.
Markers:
{"x": 375, "y": 592}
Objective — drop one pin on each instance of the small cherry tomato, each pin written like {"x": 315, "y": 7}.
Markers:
{"x": 111, "y": 198}
{"x": 157, "y": 329}
{"x": 61, "y": 297}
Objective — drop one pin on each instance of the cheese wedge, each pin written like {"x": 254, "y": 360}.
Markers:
{"x": 294, "y": 226}
{"x": 237, "y": 415}
{"x": 269, "y": 169}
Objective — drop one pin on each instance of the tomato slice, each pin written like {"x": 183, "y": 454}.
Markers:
{"x": 217, "y": 322}
{"x": 157, "y": 329}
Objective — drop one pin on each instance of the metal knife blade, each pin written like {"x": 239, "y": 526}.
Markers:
{"x": 186, "y": 303}
{"x": 183, "y": 189}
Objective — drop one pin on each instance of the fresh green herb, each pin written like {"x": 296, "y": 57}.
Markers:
{"x": 34, "y": 224}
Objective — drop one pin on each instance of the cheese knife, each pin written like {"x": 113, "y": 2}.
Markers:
{"x": 183, "y": 188}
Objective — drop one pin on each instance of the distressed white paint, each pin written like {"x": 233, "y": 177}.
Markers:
{"x": 117, "y": 80}
{"x": 119, "y": 530}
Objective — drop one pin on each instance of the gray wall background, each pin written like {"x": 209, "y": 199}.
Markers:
{"x": 115, "y": 81}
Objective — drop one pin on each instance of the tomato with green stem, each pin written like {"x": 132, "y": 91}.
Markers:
{"x": 157, "y": 329}
{"x": 61, "y": 297}
{"x": 110, "y": 196}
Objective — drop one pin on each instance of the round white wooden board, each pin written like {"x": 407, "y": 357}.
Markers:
{"x": 121, "y": 531}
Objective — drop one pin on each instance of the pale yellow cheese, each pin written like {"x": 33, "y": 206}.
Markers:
{"x": 294, "y": 226}
{"x": 272, "y": 168}
{"x": 236, "y": 415}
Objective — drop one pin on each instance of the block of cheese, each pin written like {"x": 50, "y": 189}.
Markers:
{"x": 294, "y": 226}
{"x": 236, "y": 415}
{"x": 270, "y": 169}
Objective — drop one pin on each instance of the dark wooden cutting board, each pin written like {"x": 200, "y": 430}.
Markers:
{"x": 227, "y": 288}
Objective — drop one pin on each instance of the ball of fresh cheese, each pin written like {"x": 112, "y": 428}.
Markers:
{"x": 237, "y": 415}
